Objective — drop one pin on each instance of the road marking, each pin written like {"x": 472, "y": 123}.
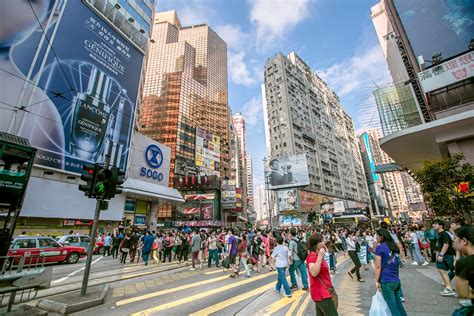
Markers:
{"x": 294, "y": 305}
{"x": 176, "y": 289}
{"x": 214, "y": 272}
{"x": 303, "y": 306}
{"x": 219, "y": 306}
{"x": 192, "y": 298}
{"x": 74, "y": 272}
{"x": 276, "y": 306}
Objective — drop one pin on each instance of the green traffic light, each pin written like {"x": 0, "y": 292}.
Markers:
{"x": 101, "y": 187}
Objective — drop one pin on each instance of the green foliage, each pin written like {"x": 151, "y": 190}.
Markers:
{"x": 439, "y": 181}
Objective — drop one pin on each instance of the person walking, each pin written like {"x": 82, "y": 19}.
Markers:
{"x": 386, "y": 272}
{"x": 298, "y": 263}
{"x": 124, "y": 248}
{"x": 281, "y": 254}
{"x": 445, "y": 257}
{"x": 232, "y": 252}
{"x": 154, "y": 250}
{"x": 168, "y": 243}
{"x": 195, "y": 248}
{"x": 212, "y": 245}
{"x": 243, "y": 254}
{"x": 116, "y": 239}
{"x": 353, "y": 248}
{"x": 147, "y": 243}
{"x": 107, "y": 245}
{"x": 415, "y": 246}
{"x": 432, "y": 236}
{"x": 464, "y": 244}
{"x": 320, "y": 283}
{"x": 184, "y": 249}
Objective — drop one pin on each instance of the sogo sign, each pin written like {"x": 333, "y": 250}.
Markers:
{"x": 154, "y": 159}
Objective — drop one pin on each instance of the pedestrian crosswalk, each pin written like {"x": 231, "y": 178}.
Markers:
{"x": 210, "y": 292}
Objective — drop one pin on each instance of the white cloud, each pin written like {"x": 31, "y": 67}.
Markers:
{"x": 195, "y": 12}
{"x": 232, "y": 35}
{"x": 253, "y": 111}
{"x": 239, "y": 71}
{"x": 273, "y": 18}
{"x": 357, "y": 72}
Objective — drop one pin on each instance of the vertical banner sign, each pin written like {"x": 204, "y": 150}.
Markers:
{"x": 76, "y": 84}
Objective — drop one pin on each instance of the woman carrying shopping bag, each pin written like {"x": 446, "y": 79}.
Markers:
{"x": 387, "y": 280}
{"x": 320, "y": 285}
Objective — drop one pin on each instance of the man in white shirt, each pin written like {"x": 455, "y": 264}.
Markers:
{"x": 282, "y": 255}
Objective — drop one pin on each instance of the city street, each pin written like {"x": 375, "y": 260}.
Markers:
{"x": 172, "y": 289}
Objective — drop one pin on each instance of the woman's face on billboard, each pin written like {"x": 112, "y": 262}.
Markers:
{"x": 17, "y": 20}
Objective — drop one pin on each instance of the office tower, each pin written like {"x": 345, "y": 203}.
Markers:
{"x": 239, "y": 123}
{"x": 260, "y": 202}
{"x": 306, "y": 117}
{"x": 238, "y": 173}
{"x": 248, "y": 161}
{"x": 185, "y": 90}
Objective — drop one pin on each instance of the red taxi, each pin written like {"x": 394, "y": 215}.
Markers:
{"x": 34, "y": 246}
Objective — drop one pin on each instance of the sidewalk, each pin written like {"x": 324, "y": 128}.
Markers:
{"x": 421, "y": 287}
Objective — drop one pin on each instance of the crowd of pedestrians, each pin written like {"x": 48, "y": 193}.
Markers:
{"x": 311, "y": 255}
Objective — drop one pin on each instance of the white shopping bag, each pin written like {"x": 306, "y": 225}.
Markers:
{"x": 379, "y": 306}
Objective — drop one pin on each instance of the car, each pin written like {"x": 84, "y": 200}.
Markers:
{"x": 34, "y": 246}
{"x": 81, "y": 241}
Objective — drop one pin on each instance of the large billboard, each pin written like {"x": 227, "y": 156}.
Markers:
{"x": 449, "y": 72}
{"x": 69, "y": 84}
{"x": 228, "y": 194}
{"x": 290, "y": 220}
{"x": 150, "y": 160}
{"x": 208, "y": 152}
{"x": 288, "y": 200}
{"x": 286, "y": 172}
{"x": 434, "y": 26}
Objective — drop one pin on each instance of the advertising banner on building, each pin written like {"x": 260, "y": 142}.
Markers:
{"x": 290, "y": 220}
{"x": 70, "y": 84}
{"x": 150, "y": 160}
{"x": 286, "y": 172}
{"x": 208, "y": 152}
{"x": 228, "y": 194}
{"x": 314, "y": 202}
{"x": 288, "y": 200}
{"x": 370, "y": 156}
{"x": 452, "y": 71}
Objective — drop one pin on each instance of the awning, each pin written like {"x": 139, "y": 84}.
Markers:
{"x": 194, "y": 210}
{"x": 243, "y": 219}
{"x": 147, "y": 189}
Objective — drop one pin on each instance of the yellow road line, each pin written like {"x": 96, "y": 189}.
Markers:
{"x": 219, "y": 306}
{"x": 163, "y": 292}
{"x": 195, "y": 297}
{"x": 294, "y": 305}
{"x": 303, "y": 306}
{"x": 217, "y": 271}
{"x": 276, "y": 306}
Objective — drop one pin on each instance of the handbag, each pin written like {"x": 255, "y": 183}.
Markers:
{"x": 331, "y": 291}
{"x": 126, "y": 250}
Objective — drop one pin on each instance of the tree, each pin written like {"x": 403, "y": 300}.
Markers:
{"x": 447, "y": 186}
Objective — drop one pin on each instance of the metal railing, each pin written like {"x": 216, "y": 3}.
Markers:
{"x": 21, "y": 277}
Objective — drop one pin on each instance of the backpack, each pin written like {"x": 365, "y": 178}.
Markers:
{"x": 301, "y": 250}
{"x": 272, "y": 243}
{"x": 166, "y": 242}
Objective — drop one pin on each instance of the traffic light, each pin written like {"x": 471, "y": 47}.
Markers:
{"x": 116, "y": 180}
{"x": 102, "y": 182}
{"x": 89, "y": 177}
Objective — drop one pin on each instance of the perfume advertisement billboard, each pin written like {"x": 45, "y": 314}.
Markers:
{"x": 70, "y": 84}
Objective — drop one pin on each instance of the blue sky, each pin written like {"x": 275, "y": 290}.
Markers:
{"x": 335, "y": 37}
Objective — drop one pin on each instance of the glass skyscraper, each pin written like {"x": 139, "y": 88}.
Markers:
{"x": 185, "y": 88}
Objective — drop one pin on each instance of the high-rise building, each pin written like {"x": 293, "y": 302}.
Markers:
{"x": 248, "y": 161}
{"x": 239, "y": 123}
{"x": 260, "y": 202}
{"x": 435, "y": 63}
{"x": 185, "y": 88}
{"x": 306, "y": 117}
{"x": 398, "y": 188}
{"x": 238, "y": 172}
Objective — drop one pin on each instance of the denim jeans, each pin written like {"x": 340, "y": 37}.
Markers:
{"x": 391, "y": 294}
{"x": 300, "y": 266}
{"x": 212, "y": 255}
{"x": 243, "y": 262}
{"x": 417, "y": 256}
{"x": 282, "y": 281}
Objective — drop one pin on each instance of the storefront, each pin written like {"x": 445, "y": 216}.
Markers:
{"x": 147, "y": 185}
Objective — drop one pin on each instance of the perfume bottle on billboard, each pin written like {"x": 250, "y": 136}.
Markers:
{"x": 113, "y": 148}
{"x": 91, "y": 117}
